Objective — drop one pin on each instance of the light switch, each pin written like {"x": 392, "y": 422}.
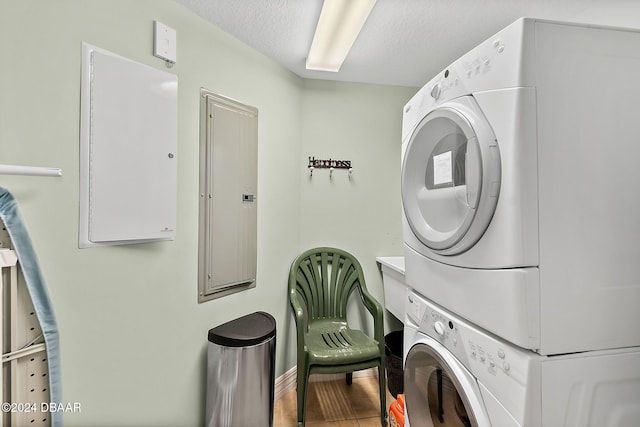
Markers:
{"x": 164, "y": 42}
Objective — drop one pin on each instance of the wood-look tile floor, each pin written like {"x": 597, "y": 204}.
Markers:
{"x": 335, "y": 404}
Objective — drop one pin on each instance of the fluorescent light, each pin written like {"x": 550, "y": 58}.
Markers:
{"x": 338, "y": 27}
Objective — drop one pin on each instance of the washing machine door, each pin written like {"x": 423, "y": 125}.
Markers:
{"x": 439, "y": 391}
{"x": 451, "y": 177}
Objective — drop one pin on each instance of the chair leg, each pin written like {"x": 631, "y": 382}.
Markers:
{"x": 440, "y": 405}
{"x": 383, "y": 393}
{"x": 349, "y": 378}
{"x": 302, "y": 383}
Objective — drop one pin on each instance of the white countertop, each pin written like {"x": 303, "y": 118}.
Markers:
{"x": 394, "y": 262}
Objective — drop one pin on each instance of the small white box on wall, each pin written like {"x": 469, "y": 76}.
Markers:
{"x": 128, "y": 156}
{"x": 164, "y": 42}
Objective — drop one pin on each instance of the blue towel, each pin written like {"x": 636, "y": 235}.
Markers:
{"x": 38, "y": 290}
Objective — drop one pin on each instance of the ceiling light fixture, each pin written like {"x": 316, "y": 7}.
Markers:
{"x": 338, "y": 27}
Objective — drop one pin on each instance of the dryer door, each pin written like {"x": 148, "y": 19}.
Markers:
{"x": 439, "y": 391}
{"x": 451, "y": 177}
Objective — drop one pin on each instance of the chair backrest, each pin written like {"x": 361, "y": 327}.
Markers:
{"x": 323, "y": 279}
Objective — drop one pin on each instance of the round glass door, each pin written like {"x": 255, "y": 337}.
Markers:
{"x": 451, "y": 177}
{"x": 440, "y": 394}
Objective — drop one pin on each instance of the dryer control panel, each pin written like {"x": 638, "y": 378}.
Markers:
{"x": 494, "y": 64}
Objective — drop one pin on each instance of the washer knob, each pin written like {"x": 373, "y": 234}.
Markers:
{"x": 439, "y": 328}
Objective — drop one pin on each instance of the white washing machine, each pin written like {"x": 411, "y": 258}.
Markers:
{"x": 455, "y": 374}
{"x": 521, "y": 187}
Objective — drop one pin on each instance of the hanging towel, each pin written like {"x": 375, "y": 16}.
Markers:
{"x": 38, "y": 291}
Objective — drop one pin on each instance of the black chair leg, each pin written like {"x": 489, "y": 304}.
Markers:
{"x": 440, "y": 404}
{"x": 349, "y": 378}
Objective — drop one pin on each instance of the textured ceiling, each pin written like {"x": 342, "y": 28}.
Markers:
{"x": 404, "y": 42}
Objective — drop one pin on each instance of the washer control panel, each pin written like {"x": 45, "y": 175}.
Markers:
{"x": 435, "y": 323}
{"x": 483, "y": 354}
{"x": 507, "y": 371}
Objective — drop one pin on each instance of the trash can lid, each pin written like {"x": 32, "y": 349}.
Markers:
{"x": 244, "y": 331}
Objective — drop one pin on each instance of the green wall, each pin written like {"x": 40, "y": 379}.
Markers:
{"x": 133, "y": 337}
{"x": 361, "y": 214}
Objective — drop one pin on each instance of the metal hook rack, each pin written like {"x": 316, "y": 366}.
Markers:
{"x": 330, "y": 164}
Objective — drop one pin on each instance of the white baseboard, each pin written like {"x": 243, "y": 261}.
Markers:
{"x": 284, "y": 383}
{"x": 287, "y": 381}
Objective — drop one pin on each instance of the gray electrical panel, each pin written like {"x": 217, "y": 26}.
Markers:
{"x": 228, "y": 199}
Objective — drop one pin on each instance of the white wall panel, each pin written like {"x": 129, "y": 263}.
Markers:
{"x": 128, "y": 151}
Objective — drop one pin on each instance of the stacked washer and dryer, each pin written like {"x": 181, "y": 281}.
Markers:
{"x": 521, "y": 196}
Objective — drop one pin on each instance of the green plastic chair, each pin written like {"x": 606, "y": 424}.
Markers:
{"x": 321, "y": 280}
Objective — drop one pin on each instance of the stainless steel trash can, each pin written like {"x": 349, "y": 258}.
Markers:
{"x": 241, "y": 372}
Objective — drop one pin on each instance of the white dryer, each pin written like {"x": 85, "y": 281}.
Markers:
{"x": 521, "y": 187}
{"x": 458, "y": 375}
